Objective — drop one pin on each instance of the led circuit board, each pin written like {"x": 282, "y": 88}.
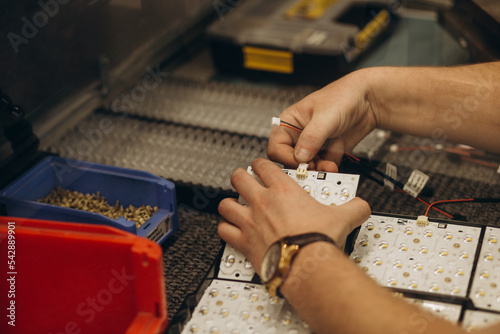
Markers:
{"x": 326, "y": 188}
{"x": 485, "y": 292}
{"x": 437, "y": 258}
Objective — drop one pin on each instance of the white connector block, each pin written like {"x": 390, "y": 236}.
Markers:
{"x": 301, "y": 171}
{"x": 276, "y": 121}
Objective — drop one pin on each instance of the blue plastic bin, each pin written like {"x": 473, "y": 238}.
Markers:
{"x": 116, "y": 184}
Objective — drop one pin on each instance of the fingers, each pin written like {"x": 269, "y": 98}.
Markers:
{"x": 232, "y": 211}
{"x": 356, "y": 212}
{"x": 230, "y": 233}
{"x": 280, "y": 146}
{"x": 245, "y": 184}
{"x": 311, "y": 139}
{"x": 268, "y": 172}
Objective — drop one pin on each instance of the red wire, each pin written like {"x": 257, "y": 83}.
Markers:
{"x": 351, "y": 156}
{"x": 448, "y": 201}
{"x": 436, "y": 209}
{"x": 480, "y": 162}
{"x": 421, "y": 200}
{"x": 290, "y": 127}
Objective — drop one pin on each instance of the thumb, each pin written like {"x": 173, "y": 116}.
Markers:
{"x": 357, "y": 211}
{"x": 311, "y": 139}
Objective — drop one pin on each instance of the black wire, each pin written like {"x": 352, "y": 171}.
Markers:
{"x": 293, "y": 126}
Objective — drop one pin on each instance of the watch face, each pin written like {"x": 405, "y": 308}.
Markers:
{"x": 270, "y": 262}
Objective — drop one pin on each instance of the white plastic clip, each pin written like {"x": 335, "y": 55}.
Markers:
{"x": 422, "y": 221}
{"x": 276, "y": 121}
{"x": 301, "y": 172}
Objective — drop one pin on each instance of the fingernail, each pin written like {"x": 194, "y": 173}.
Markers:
{"x": 303, "y": 155}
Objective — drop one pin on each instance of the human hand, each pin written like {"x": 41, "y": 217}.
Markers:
{"x": 281, "y": 208}
{"x": 338, "y": 115}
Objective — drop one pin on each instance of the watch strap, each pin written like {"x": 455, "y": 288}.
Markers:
{"x": 304, "y": 239}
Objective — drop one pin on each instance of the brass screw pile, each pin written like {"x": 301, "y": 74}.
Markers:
{"x": 98, "y": 204}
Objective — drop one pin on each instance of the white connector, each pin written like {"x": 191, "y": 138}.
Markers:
{"x": 301, "y": 171}
{"x": 422, "y": 221}
{"x": 276, "y": 121}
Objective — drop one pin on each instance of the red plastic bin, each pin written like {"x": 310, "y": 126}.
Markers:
{"x": 79, "y": 278}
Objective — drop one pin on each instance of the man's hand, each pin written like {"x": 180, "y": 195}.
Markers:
{"x": 339, "y": 115}
{"x": 280, "y": 209}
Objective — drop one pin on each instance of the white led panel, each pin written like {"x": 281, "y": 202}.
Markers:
{"x": 236, "y": 307}
{"x": 437, "y": 258}
{"x": 485, "y": 291}
{"x": 474, "y": 320}
{"x": 234, "y": 265}
{"x": 450, "y": 312}
{"x": 326, "y": 188}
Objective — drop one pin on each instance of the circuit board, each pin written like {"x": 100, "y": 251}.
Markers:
{"x": 326, "y": 188}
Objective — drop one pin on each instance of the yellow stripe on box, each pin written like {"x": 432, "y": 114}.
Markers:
{"x": 309, "y": 9}
{"x": 267, "y": 60}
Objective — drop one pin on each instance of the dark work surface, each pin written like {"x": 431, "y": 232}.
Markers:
{"x": 188, "y": 254}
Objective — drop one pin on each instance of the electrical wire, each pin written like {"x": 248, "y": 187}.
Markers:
{"x": 462, "y": 200}
{"x": 465, "y": 155}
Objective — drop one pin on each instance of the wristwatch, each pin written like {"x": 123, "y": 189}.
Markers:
{"x": 278, "y": 259}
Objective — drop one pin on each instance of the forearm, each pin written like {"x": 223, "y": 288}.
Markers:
{"x": 458, "y": 104}
{"x": 333, "y": 295}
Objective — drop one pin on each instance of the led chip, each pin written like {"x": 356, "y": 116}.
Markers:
{"x": 213, "y": 293}
{"x": 397, "y": 265}
{"x": 224, "y": 313}
{"x": 484, "y": 275}
{"x": 423, "y": 250}
{"x": 383, "y": 245}
{"x": 392, "y": 282}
